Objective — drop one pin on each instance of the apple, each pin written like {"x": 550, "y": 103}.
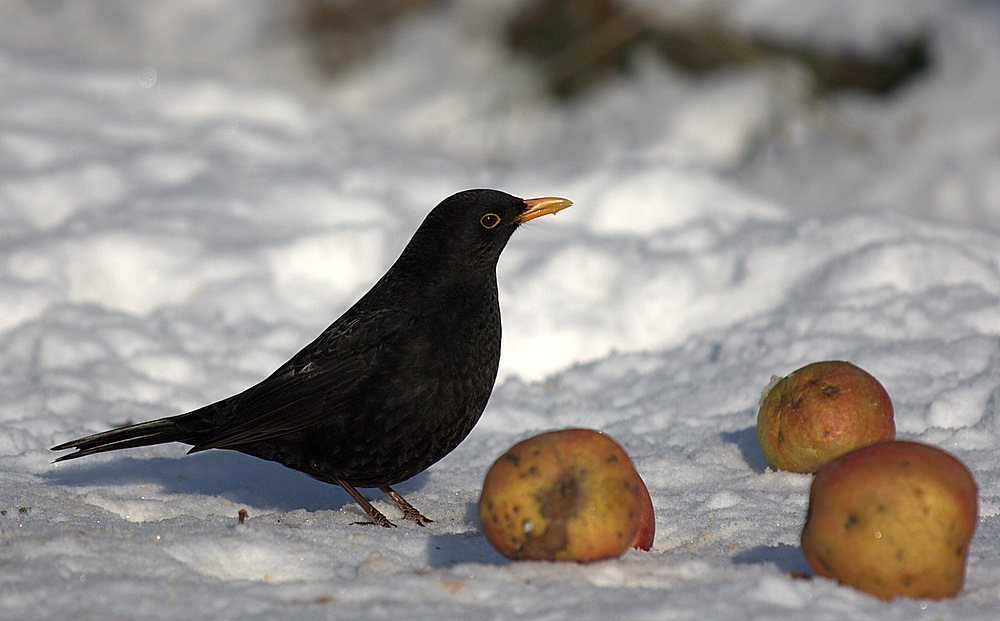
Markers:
{"x": 647, "y": 525}
{"x": 892, "y": 519}
{"x": 566, "y": 495}
{"x": 820, "y": 412}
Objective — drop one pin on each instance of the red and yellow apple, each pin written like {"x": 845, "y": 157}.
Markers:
{"x": 820, "y": 412}
{"x": 567, "y": 495}
{"x": 892, "y": 519}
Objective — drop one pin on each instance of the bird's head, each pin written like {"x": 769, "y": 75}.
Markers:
{"x": 472, "y": 227}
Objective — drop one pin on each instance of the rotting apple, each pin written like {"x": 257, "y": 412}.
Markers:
{"x": 820, "y": 412}
{"x": 892, "y": 519}
{"x": 566, "y": 495}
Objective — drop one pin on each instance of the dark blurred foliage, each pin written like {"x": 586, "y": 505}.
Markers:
{"x": 342, "y": 31}
{"x": 578, "y": 43}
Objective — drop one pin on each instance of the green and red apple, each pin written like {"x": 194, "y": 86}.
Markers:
{"x": 820, "y": 412}
{"x": 892, "y": 519}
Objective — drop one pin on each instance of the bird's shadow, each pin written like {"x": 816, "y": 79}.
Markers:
{"x": 246, "y": 480}
{"x": 746, "y": 441}
{"x": 785, "y": 557}
{"x": 241, "y": 479}
{"x": 446, "y": 550}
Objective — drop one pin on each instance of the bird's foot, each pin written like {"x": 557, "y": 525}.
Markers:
{"x": 409, "y": 511}
{"x": 415, "y": 516}
{"x": 377, "y": 520}
{"x": 376, "y": 517}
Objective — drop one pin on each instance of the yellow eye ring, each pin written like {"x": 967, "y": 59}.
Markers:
{"x": 490, "y": 220}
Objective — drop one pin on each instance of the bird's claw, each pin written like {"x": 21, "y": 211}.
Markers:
{"x": 416, "y": 517}
{"x": 384, "y": 523}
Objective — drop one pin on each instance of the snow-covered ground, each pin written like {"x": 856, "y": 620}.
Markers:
{"x": 179, "y": 213}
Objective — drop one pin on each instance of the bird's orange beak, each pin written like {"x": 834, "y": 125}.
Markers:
{"x": 538, "y": 207}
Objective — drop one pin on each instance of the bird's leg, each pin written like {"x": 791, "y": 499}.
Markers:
{"x": 377, "y": 519}
{"x": 409, "y": 512}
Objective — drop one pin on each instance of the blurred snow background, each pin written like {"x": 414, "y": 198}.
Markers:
{"x": 190, "y": 191}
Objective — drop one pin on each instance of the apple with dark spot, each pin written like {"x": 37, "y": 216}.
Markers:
{"x": 566, "y": 495}
{"x": 892, "y": 519}
{"x": 820, "y": 412}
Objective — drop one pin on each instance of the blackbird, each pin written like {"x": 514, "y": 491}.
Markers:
{"x": 393, "y": 385}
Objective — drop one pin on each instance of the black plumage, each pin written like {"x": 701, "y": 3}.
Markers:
{"x": 394, "y": 384}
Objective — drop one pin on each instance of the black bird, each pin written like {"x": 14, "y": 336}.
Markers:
{"x": 393, "y": 385}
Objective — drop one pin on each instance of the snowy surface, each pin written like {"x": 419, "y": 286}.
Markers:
{"x": 172, "y": 230}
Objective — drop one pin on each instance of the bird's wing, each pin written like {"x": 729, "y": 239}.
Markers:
{"x": 316, "y": 383}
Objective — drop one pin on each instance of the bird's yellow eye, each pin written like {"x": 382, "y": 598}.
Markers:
{"x": 490, "y": 220}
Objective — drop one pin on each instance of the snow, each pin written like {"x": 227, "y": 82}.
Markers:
{"x": 181, "y": 211}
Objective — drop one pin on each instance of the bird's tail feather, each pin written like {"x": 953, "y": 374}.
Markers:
{"x": 143, "y": 434}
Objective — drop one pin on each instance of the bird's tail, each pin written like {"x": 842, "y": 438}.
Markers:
{"x": 157, "y": 431}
